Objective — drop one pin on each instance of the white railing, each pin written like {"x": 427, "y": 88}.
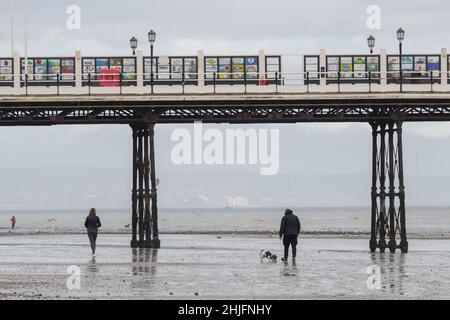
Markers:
{"x": 230, "y": 82}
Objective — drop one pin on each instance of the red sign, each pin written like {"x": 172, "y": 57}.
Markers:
{"x": 109, "y": 78}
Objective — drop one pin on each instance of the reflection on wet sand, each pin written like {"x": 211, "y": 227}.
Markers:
{"x": 141, "y": 260}
{"x": 393, "y": 272}
{"x": 289, "y": 270}
{"x": 92, "y": 266}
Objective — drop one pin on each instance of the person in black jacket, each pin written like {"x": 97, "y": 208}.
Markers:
{"x": 289, "y": 230}
{"x": 92, "y": 224}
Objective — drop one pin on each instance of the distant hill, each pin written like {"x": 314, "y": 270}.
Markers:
{"x": 73, "y": 188}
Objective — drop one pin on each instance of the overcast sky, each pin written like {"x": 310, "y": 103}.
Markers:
{"x": 183, "y": 27}
{"x": 232, "y": 27}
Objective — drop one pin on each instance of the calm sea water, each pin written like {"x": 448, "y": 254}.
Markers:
{"x": 426, "y": 220}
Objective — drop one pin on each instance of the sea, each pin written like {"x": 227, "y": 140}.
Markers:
{"x": 426, "y": 221}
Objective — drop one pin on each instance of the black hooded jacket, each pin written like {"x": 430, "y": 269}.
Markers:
{"x": 290, "y": 225}
{"x": 92, "y": 223}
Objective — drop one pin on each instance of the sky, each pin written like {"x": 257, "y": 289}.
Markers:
{"x": 286, "y": 27}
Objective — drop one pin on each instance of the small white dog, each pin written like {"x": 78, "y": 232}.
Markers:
{"x": 266, "y": 255}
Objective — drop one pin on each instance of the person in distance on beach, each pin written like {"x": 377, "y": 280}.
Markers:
{"x": 92, "y": 224}
{"x": 13, "y": 222}
{"x": 289, "y": 231}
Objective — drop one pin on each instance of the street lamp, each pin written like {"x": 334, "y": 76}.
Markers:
{"x": 133, "y": 44}
{"x": 400, "y": 37}
{"x": 151, "y": 39}
{"x": 371, "y": 43}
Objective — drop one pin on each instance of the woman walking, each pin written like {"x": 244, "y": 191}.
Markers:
{"x": 92, "y": 224}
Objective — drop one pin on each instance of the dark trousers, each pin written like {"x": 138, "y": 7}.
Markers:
{"x": 290, "y": 240}
{"x": 92, "y": 238}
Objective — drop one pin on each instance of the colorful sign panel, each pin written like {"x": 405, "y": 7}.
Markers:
{"x": 43, "y": 69}
{"x": 414, "y": 66}
{"x": 97, "y": 66}
{"x": 237, "y": 68}
{"x": 6, "y": 69}
{"x": 171, "y": 68}
{"x": 251, "y": 67}
{"x": 224, "y": 68}
{"x": 353, "y": 67}
{"x": 211, "y": 67}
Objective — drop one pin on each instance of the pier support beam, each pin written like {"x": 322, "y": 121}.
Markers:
{"x": 144, "y": 209}
{"x": 388, "y": 204}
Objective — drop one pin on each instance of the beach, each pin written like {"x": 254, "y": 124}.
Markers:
{"x": 211, "y": 266}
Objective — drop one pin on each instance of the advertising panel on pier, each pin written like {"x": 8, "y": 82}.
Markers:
{"x": 238, "y": 67}
{"x": 346, "y": 67}
{"x": 352, "y": 69}
{"x": 171, "y": 70}
{"x": 98, "y": 67}
{"x": 129, "y": 69}
{"x": 359, "y": 67}
{"x": 251, "y": 67}
{"x": 311, "y": 65}
{"x": 149, "y": 66}
{"x": 6, "y": 71}
{"x": 47, "y": 70}
{"x": 373, "y": 66}
{"x": 163, "y": 69}
{"x": 190, "y": 68}
{"x": 235, "y": 69}
{"x": 176, "y": 68}
{"x": 416, "y": 68}
{"x": 224, "y": 68}
{"x": 210, "y": 67}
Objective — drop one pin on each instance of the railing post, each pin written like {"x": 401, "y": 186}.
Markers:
{"x": 183, "y": 78}
{"x": 245, "y": 81}
{"x": 370, "y": 81}
{"x": 307, "y": 81}
{"x": 57, "y": 84}
{"x": 89, "y": 83}
{"x": 151, "y": 80}
{"x": 214, "y": 82}
{"x": 120, "y": 83}
{"x": 339, "y": 81}
{"x": 26, "y": 83}
{"x": 401, "y": 80}
{"x": 276, "y": 81}
{"x": 431, "y": 80}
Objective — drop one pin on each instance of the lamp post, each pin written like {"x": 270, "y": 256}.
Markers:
{"x": 371, "y": 43}
{"x": 400, "y": 37}
{"x": 151, "y": 39}
{"x": 133, "y": 44}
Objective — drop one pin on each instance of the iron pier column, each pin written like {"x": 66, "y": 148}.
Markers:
{"x": 156, "y": 243}
{"x": 373, "y": 228}
{"x": 141, "y": 187}
{"x": 134, "y": 218}
{"x": 147, "y": 220}
{"x": 392, "y": 242}
{"x": 387, "y": 158}
{"x": 403, "y": 240}
{"x": 382, "y": 223}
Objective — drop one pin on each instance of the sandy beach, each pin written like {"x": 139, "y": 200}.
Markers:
{"x": 193, "y": 266}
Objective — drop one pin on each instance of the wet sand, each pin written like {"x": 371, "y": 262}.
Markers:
{"x": 208, "y": 267}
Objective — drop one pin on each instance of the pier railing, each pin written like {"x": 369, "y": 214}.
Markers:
{"x": 224, "y": 83}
